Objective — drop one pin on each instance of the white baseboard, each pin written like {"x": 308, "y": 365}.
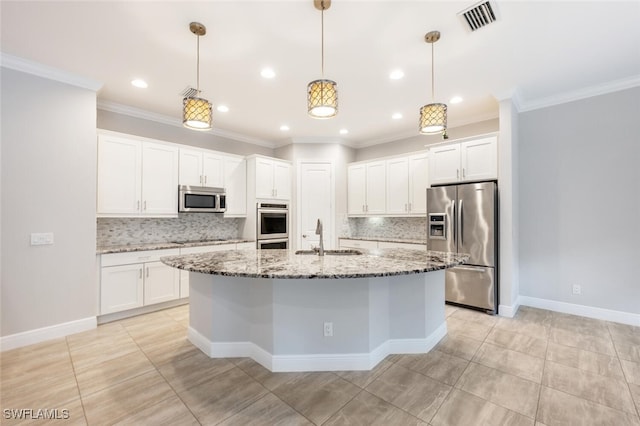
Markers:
{"x": 31, "y": 337}
{"x": 581, "y": 310}
{"x": 316, "y": 362}
{"x": 509, "y": 311}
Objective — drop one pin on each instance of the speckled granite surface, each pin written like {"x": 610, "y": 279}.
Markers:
{"x": 286, "y": 264}
{"x": 166, "y": 245}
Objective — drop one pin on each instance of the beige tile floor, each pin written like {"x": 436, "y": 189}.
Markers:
{"x": 539, "y": 368}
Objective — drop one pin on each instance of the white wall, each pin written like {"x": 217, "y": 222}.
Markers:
{"x": 109, "y": 120}
{"x": 418, "y": 142}
{"x": 48, "y": 185}
{"x": 579, "y": 190}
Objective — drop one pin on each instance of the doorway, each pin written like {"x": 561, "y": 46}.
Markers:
{"x": 316, "y": 200}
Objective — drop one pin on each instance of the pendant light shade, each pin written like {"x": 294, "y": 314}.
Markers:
{"x": 322, "y": 98}
{"x": 196, "y": 111}
{"x": 322, "y": 94}
{"x": 433, "y": 116}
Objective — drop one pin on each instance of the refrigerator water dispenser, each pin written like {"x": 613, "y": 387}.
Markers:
{"x": 438, "y": 226}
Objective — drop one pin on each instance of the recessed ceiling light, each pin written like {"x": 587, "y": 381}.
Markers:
{"x": 139, "y": 83}
{"x": 284, "y": 128}
{"x": 223, "y": 108}
{"x": 396, "y": 116}
{"x": 396, "y": 74}
{"x": 455, "y": 100}
{"x": 267, "y": 73}
{"x": 343, "y": 131}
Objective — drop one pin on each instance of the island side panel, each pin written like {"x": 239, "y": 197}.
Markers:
{"x": 378, "y": 317}
{"x": 416, "y": 312}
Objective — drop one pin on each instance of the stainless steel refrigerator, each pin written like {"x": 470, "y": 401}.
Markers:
{"x": 463, "y": 218}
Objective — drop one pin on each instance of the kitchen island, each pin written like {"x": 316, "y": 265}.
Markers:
{"x": 304, "y": 312}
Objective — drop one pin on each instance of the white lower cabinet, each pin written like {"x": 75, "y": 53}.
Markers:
{"x": 346, "y": 243}
{"x": 410, "y": 246}
{"x": 135, "y": 279}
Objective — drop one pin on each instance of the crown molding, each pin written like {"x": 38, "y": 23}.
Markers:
{"x": 24, "y": 65}
{"x": 174, "y": 121}
{"x": 576, "y": 95}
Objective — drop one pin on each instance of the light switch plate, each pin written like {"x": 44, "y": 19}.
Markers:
{"x": 41, "y": 238}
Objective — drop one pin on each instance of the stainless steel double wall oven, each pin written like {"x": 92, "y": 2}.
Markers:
{"x": 272, "y": 221}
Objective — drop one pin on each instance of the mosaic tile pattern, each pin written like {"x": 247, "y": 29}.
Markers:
{"x": 287, "y": 264}
{"x": 403, "y": 228}
{"x": 186, "y": 227}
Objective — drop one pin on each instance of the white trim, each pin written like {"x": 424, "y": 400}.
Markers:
{"x": 316, "y": 362}
{"x": 38, "y": 335}
{"x": 24, "y": 65}
{"x": 576, "y": 95}
{"x": 509, "y": 311}
{"x": 177, "y": 122}
{"x": 581, "y": 310}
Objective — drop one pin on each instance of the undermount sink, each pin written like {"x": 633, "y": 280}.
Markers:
{"x": 331, "y": 252}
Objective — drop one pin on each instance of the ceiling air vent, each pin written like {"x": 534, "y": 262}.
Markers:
{"x": 479, "y": 15}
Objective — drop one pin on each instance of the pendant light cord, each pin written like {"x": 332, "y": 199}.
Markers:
{"x": 433, "y": 77}
{"x": 198, "y": 67}
{"x": 322, "y": 37}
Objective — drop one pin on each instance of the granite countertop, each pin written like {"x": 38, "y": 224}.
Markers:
{"x": 387, "y": 240}
{"x": 166, "y": 245}
{"x": 286, "y": 264}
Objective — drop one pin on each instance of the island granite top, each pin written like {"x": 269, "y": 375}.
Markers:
{"x": 286, "y": 264}
{"x": 164, "y": 245}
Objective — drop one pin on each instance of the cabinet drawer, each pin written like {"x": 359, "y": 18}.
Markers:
{"x": 144, "y": 256}
{"x": 346, "y": 243}
{"x": 245, "y": 246}
{"x": 386, "y": 244}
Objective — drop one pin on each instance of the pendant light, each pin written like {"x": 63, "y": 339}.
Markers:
{"x": 433, "y": 116}
{"x": 322, "y": 94}
{"x": 196, "y": 112}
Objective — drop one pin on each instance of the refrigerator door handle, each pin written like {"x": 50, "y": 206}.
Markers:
{"x": 454, "y": 221}
{"x": 470, "y": 268}
{"x": 461, "y": 223}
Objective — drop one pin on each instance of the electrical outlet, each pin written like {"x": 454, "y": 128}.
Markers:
{"x": 328, "y": 329}
{"x": 577, "y": 289}
{"x": 42, "y": 238}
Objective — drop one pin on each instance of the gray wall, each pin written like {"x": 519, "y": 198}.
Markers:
{"x": 48, "y": 185}
{"x": 418, "y": 142}
{"x": 109, "y": 120}
{"x": 579, "y": 201}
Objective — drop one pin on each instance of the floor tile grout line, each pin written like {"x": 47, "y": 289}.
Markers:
{"x": 544, "y": 366}
{"x": 75, "y": 377}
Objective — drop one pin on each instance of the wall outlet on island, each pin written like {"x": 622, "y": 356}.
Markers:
{"x": 577, "y": 289}
{"x": 328, "y": 329}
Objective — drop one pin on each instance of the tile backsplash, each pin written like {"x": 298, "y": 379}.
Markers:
{"x": 414, "y": 228}
{"x": 186, "y": 227}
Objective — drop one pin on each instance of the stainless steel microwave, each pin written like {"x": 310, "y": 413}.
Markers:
{"x": 201, "y": 199}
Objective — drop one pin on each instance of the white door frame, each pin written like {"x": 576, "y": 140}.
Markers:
{"x": 332, "y": 207}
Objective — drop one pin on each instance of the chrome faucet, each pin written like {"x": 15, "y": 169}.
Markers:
{"x": 319, "y": 232}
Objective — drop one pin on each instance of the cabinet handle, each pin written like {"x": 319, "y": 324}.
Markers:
{"x": 367, "y": 208}
{"x": 363, "y": 208}
{"x": 147, "y": 268}
{"x": 205, "y": 179}
{"x": 200, "y": 179}
{"x": 138, "y": 208}
{"x": 457, "y": 173}
{"x": 140, "y": 273}
{"x": 409, "y": 206}
{"x": 463, "y": 173}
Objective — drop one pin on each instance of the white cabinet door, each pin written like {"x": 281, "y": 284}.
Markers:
{"x": 357, "y": 244}
{"x": 121, "y": 288}
{"x": 235, "y": 184}
{"x": 444, "y": 164}
{"x": 213, "y": 170}
{"x": 119, "y": 165}
{"x": 282, "y": 180}
{"x": 264, "y": 178}
{"x": 418, "y": 183}
{"x": 376, "y": 193}
{"x": 190, "y": 167}
{"x": 356, "y": 189}
{"x": 398, "y": 186}
{"x": 161, "y": 283}
{"x": 159, "y": 179}
{"x": 479, "y": 159}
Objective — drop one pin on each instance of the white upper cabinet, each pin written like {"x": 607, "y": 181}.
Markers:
{"x": 398, "y": 186}
{"x": 235, "y": 184}
{"x": 201, "y": 168}
{"x": 465, "y": 161}
{"x": 272, "y": 178}
{"x": 418, "y": 183}
{"x": 366, "y": 188}
{"x": 136, "y": 178}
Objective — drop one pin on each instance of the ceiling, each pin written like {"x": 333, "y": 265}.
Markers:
{"x": 538, "y": 50}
